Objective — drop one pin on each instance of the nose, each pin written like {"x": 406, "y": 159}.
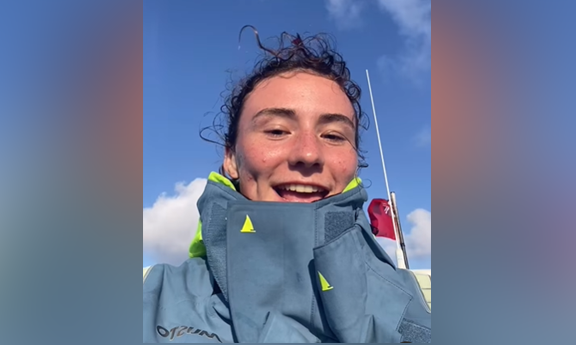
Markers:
{"x": 306, "y": 152}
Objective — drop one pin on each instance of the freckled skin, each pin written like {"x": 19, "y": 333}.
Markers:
{"x": 275, "y": 150}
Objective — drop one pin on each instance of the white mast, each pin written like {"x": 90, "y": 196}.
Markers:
{"x": 401, "y": 261}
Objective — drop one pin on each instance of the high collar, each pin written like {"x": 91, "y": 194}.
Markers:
{"x": 261, "y": 253}
{"x": 218, "y": 182}
{"x": 220, "y": 202}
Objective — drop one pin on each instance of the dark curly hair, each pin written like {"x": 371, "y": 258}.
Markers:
{"x": 313, "y": 54}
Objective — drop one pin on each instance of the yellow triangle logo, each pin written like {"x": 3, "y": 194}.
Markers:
{"x": 324, "y": 283}
{"x": 248, "y": 227}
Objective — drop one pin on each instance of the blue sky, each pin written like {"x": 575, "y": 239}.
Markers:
{"x": 191, "y": 52}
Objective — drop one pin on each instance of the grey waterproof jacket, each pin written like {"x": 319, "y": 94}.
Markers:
{"x": 284, "y": 272}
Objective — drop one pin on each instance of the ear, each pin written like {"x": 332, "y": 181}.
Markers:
{"x": 230, "y": 166}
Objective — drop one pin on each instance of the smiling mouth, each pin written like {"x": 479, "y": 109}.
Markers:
{"x": 301, "y": 193}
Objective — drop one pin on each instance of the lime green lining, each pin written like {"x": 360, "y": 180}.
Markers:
{"x": 353, "y": 184}
{"x": 215, "y": 177}
{"x": 197, "y": 248}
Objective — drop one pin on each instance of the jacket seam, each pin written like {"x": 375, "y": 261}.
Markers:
{"x": 410, "y": 297}
{"x": 403, "y": 316}
{"x": 325, "y": 244}
{"x": 378, "y": 273}
{"x": 388, "y": 280}
{"x": 361, "y": 247}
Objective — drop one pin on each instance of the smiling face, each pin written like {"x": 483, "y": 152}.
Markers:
{"x": 295, "y": 140}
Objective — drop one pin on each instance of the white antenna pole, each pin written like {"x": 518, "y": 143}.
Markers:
{"x": 399, "y": 253}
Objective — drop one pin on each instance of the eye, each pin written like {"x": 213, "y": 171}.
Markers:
{"x": 275, "y": 133}
{"x": 333, "y": 137}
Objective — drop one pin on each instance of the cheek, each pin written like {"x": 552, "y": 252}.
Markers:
{"x": 256, "y": 159}
{"x": 345, "y": 166}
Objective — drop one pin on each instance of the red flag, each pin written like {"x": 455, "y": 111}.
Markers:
{"x": 381, "y": 219}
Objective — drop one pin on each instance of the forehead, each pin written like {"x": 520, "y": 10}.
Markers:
{"x": 305, "y": 93}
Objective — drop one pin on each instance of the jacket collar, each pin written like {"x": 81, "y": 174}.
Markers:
{"x": 197, "y": 247}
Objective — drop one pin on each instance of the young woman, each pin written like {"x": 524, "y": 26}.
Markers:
{"x": 284, "y": 251}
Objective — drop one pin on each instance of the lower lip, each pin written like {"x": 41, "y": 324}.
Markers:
{"x": 290, "y": 196}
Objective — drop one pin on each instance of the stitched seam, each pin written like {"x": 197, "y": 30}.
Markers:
{"x": 194, "y": 300}
{"x": 378, "y": 273}
{"x": 388, "y": 280}
{"x": 403, "y": 314}
{"x": 313, "y": 310}
{"x": 360, "y": 245}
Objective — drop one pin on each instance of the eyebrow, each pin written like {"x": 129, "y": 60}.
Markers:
{"x": 331, "y": 118}
{"x": 291, "y": 115}
{"x": 279, "y": 112}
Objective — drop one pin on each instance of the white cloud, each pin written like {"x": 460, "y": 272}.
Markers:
{"x": 170, "y": 224}
{"x": 414, "y": 21}
{"x": 346, "y": 13}
{"x": 412, "y": 16}
{"x": 418, "y": 239}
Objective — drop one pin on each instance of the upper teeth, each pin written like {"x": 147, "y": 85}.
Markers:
{"x": 300, "y": 188}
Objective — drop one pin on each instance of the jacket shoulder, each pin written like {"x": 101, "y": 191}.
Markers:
{"x": 192, "y": 277}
